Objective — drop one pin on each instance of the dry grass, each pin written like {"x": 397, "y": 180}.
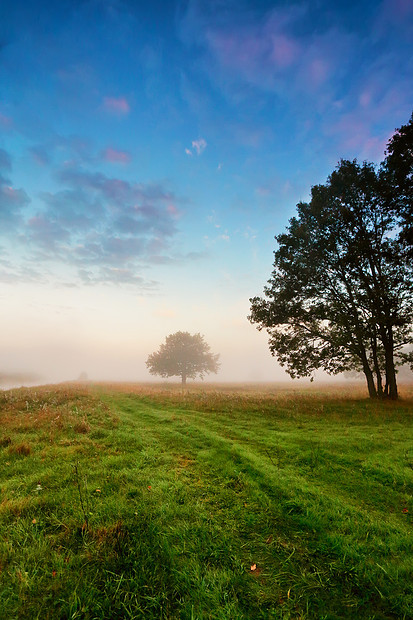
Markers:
{"x": 22, "y": 449}
{"x": 50, "y": 408}
{"x": 289, "y": 397}
{"x": 276, "y": 390}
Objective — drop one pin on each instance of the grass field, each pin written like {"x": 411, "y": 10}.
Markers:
{"x": 128, "y": 501}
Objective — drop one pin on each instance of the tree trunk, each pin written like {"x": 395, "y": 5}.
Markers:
{"x": 370, "y": 382}
{"x": 361, "y": 353}
{"x": 377, "y": 369}
{"x": 391, "y": 382}
{"x": 183, "y": 380}
{"x": 390, "y": 369}
{"x": 368, "y": 374}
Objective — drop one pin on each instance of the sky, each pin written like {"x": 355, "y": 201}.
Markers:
{"x": 151, "y": 151}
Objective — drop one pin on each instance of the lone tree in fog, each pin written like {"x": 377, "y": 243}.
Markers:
{"x": 341, "y": 293}
{"x": 183, "y": 355}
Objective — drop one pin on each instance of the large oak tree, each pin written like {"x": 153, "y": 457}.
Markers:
{"x": 341, "y": 293}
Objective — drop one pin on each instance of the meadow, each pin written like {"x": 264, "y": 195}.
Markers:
{"x": 223, "y": 502}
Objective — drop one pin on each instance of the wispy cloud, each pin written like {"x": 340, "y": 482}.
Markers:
{"x": 5, "y": 160}
{"x": 165, "y": 313}
{"x": 104, "y": 229}
{"x": 117, "y": 106}
{"x": 5, "y": 121}
{"x": 116, "y": 156}
{"x": 256, "y": 56}
{"x": 115, "y": 275}
{"x": 198, "y": 147}
{"x": 12, "y": 200}
{"x": 58, "y": 149}
{"x": 267, "y": 51}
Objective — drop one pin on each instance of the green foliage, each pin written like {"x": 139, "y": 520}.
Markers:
{"x": 397, "y": 171}
{"x": 183, "y": 355}
{"x": 340, "y": 296}
{"x": 186, "y": 495}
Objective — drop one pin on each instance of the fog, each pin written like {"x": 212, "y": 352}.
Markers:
{"x": 53, "y": 364}
{"x": 63, "y": 334}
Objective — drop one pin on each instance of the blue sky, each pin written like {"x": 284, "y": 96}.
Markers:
{"x": 150, "y": 151}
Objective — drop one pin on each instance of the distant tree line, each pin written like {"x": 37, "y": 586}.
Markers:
{"x": 340, "y": 296}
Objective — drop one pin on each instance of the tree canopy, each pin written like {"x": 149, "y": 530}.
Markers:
{"x": 183, "y": 355}
{"x": 340, "y": 296}
{"x": 397, "y": 171}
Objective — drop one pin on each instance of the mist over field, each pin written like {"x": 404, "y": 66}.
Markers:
{"x": 163, "y": 148}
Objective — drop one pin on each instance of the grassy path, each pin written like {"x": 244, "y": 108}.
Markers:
{"x": 210, "y": 506}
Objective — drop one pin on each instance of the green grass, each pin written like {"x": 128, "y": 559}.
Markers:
{"x": 131, "y": 501}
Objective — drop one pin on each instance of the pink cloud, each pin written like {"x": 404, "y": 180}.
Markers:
{"x": 285, "y": 51}
{"x": 241, "y": 51}
{"x": 273, "y": 53}
{"x": 115, "y": 156}
{"x": 259, "y": 52}
{"x": 365, "y": 98}
{"x": 5, "y": 121}
{"x": 173, "y": 211}
{"x": 116, "y": 106}
{"x": 318, "y": 71}
{"x": 262, "y": 191}
{"x": 397, "y": 10}
{"x": 355, "y": 138}
{"x": 13, "y": 196}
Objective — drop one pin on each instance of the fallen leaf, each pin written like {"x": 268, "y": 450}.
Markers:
{"x": 254, "y": 567}
{"x": 34, "y": 521}
{"x": 405, "y": 511}
{"x": 269, "y": 539}
{"x": 54, "y": 573}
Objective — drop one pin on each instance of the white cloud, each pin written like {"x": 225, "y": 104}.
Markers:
{"x": 199, "y": 145}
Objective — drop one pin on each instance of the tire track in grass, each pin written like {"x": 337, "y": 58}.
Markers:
{"x": 217, "y": 552}
{"x": 197, "y": 437}
{"x": 247, "y": 520}
{"x": 310, "y": 465}
{"x": 301, "y": 505}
